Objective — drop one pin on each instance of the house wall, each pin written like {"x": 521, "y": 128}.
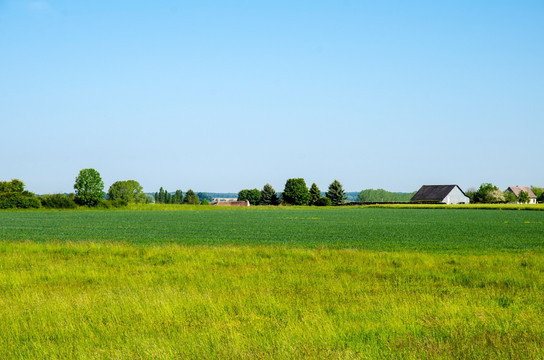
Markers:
{"x": 456, "y": 196}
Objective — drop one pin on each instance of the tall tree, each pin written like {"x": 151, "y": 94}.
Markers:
{"x": 191, "y": 198}
{"x": 251, "y": 195}
{"x": 336, "y": 193}
{"x": 538, "y": 191}
{"x": 177, "y": 198}
{"x": 295, "y": 192}
{"x": 129, "y": 191}
{"x": 161, "y": 196}
{"x": 268, "y": 196}
{"x": 315, "y": 194}
{"x": 89, "y": 187}
{"x": 523, "y": 197}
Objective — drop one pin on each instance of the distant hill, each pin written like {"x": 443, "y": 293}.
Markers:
{"x": 380, "y": 195}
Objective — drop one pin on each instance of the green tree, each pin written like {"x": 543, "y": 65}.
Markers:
{"x": 251, "y": 195}
{"x": 129, "y": 191}
{"x": 161, "y": 198}
{"x": 204, "y": 202}
{"x": 295, "y": 192}
{"x": 268, "y": 196}
{"x": 538, "y": 191}
{"x": 89, "y": 187}
{"x": 487, "y": 193}
{"x": 203, "y": 195}
{"x": 315, "y": 194}
{"x": 13, "y": 186}
{"x": 14, "y": 195}
{"x": 509, "y": 197}
{"x": 523, "y": 197}
{"x": 336, "y": 193}
{"x": 191, "y": 198}
{"x": 177, "y": 198}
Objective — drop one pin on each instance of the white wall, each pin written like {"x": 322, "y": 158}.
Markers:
{"x": 456, "y": 196}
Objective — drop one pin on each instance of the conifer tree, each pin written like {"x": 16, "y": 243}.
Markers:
{"x": 336, "y": 193}
{"x": 268, "y": 196}
{"x": 315, "y": 194}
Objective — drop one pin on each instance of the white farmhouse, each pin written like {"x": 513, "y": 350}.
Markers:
{"x": 448, "y": 194}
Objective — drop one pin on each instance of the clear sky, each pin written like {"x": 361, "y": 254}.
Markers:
{"x": 220, "y": 96}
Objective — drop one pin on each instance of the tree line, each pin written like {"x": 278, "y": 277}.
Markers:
{"x": 89, "y": 191}
{"x": 295, "y": 192}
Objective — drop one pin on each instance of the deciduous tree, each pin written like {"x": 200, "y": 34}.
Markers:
{"x": 523, "y": 197}
{"x": 191, "y": 198}
{"x": 129, "y": 191}
{"x": 295, "y": 192}
{"x": 251, "y": 195}
{"x": 177, "y": 198}
{"x": 89, "y": 187}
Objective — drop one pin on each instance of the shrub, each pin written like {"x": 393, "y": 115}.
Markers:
{"x": 324, "y": 201}
{"x": 103, "y": 204}
{"x": 18, "y": 200}
{"x": 58, "y": 201}
{"x": 108, "y": 204}
{"x": 205, "y": 202}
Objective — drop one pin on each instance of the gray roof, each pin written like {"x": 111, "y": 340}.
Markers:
{"x": 434, "y": 192}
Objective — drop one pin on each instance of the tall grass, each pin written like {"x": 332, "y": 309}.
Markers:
{"x": 112, "y": 300}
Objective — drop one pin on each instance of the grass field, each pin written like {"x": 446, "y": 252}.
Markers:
{"x": 459, "y": 231}
{"x": 272, "y": 283}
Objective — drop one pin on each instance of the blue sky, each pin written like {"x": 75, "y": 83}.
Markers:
{"x": 225, "y": 95}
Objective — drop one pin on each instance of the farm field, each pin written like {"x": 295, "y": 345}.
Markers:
{"x": 272, "y": 283}
{"x": 381, "y": 229}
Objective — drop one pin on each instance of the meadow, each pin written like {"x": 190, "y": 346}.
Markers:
{"x": 340, "y": 283}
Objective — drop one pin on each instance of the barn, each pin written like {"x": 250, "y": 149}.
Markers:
{"x": 448, "y": 194}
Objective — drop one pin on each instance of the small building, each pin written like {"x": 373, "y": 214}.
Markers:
{"x": 517, "y": 189}
{"x": 230, "y": 203}
{"x": 447, "y": 194}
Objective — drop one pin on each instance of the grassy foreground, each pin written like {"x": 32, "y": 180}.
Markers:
{"x": 112, "y": 300}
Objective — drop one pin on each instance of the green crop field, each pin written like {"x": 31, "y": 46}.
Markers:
{"x": 283, "y": 283}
